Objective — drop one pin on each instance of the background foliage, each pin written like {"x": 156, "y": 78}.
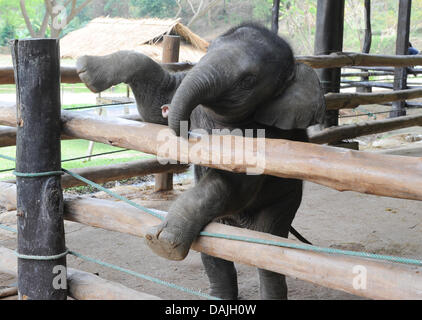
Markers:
{"x": 297, "y": 18}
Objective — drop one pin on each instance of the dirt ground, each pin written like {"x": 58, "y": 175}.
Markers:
{"x": 329, "y": 218}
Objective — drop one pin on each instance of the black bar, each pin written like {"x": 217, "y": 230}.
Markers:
{"x": 402, "y": 45}
{"x": 367, "y": 42}
{"x": 274, "y": 16}
{"x": 328, "y": 39}
{"x": 40, "y": 199}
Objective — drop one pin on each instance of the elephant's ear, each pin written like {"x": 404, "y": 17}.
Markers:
{"x": 299, "y": 106}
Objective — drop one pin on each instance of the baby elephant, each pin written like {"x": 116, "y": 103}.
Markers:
{"x": 247, "y": 80}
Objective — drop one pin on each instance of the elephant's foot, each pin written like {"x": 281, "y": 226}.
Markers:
{"x": 93, "y": 72}
{"x": 168, "y": 242}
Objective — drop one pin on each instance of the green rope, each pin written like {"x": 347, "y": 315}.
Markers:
{"x": 115, "y": 195}
{"x": 42, "y": 258}
{"x": 256, "y": 240}
{"x": 8, "y": 228}
{"x": 7, "y": 158}
{"x": 38, "y": 174}
{"x": 112, "y": 266}
{"x": 314, "y": 248}
{"x": 142, "y": 276}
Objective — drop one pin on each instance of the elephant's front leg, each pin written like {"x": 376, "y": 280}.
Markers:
{"x": 212, "y": 197}
{"x": 102, "y": 72}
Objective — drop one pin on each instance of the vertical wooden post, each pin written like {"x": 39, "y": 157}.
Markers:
{"x": 274, "y": 16}
{"x": 328, "y": 39}
{"x": 171, "y": 48}
{"x": 367, "y": 43}
{"x": 402, "y": 44}
{"x": 39, "y": 199}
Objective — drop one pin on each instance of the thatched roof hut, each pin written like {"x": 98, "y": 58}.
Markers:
{"x": 103, "y": 36}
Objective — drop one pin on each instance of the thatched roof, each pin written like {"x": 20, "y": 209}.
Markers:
{"x": 103, "y": 36}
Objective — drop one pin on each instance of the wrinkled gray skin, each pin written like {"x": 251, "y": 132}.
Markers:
{"x": 248, "y": 79}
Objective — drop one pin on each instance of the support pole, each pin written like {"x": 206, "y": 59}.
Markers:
{"x": 402, "y": 44}
{"x": 40, "y": 199}
{"x": 171, "y": 47}
{"x": 367, "y": 43}
{"x": 328, "y": 39}
{"x": 274, "y": 16}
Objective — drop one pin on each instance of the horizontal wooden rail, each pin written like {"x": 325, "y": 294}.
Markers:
{"x": 69, "y": 74}
{"x": 104, "y": 174}
{"x": 119, "y": 171}
{"x": 340, "y": 169}
{"x": 336, "y": 101}
{"x": 344, "y": 59}
{"x": 82, "y": 285}
{"x": 328, "y": 270}
{"x": 334, "y": 60}
{"x": 350, "y": 131}
{"x": 7, "y": 137}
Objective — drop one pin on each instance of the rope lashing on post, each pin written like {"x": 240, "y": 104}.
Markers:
{"x": 38, "y": 174}
{"x": 256, "y": 240}
{"x": 42, "y": 258}
{"x": 117, "y": 268}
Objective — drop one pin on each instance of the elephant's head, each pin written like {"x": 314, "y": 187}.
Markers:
{"x": 248, "y": 74}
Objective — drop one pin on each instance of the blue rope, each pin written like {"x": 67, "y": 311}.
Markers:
{"x": 142, "y": 276}
{"x": 42, "y": 258}
{"x": 112, "y": 266}
{"x": 314, "y": 248}
{"x": 37, "y": 174}
{"x": 115, "y": 195}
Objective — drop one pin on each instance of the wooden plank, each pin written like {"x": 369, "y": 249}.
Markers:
{"x": 335, "y": 101}
{"x": 364, "y": 128}
{"x": 82, "y": 285}
{"x": 385, "y": 280}
{"x": 69, "y": 74}
{"x": 335, "y": 168}
{"x": 40, "y": 200}
{"x": 120, "y": 171}
{"x": 7, "y": 292}
{"x": 7, "y": 137}
{"x": 348, "y": 59}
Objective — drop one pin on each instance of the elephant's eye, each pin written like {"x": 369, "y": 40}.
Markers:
{"x": 248, "y": 81}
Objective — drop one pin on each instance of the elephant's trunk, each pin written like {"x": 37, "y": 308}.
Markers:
{"x": 202, "y": 84}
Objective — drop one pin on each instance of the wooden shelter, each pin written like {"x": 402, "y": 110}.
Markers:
{"x": 106, "y": 35}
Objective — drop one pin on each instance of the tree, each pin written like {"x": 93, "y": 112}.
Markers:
{"x": 204, "y": 7}
{"x": 55, "y": 16}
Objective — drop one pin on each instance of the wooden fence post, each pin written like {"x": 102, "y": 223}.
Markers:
{"x": 367, "y": 43}
{"x": 171, "y": 48}
{"x": 40, "y": 199}
{"x": 402, "y": 45}
{"x": 328, "y": 39}
{"x": 275, "y": 15}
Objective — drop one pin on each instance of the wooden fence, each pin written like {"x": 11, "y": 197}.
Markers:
{"x": 385, "y": 175}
